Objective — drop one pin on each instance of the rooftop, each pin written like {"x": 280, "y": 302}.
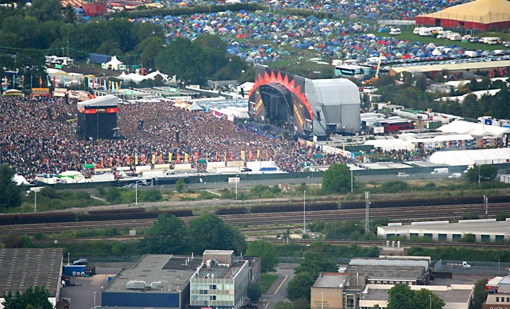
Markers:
{"x": 221, "y": 272}
{"x": 463, "y": 227}
{"x": 171, "y": 272}
{"x": 331, "y": 280}
{"x": 21, "y": 268}
{"x": 453, "y": 294}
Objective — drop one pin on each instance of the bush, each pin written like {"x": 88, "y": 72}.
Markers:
{"x": 152, "y": 195}
{"x": 394, "y": 186}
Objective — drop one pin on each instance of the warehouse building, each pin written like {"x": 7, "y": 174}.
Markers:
{"x": 21, "y": 268}
{"x": 456, "y": 296}
{"x": 337, "y": 290}
{"x": 484, "y": 230}
{"x": 156, "y": 280}
{"x": 391, "y": 271}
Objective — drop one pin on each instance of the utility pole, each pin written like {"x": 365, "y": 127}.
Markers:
{"x": 304, "y": 211}
{"x": 352, "y": 182}
{"x": 367, "y": 212}
{"x": 486, "y": 204}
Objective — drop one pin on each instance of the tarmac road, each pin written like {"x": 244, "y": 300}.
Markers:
{"x": 278, "y": 291}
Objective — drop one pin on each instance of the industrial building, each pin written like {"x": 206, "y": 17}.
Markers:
{"x": 456, "y": 296}
{"x": 337, "y": 290}
{"x": 304, "y": 107}
{"x": 217, "y": 279}
{"x": 392, "y": 270}
{"x": 483, "y": 230}
{"x": 21, "y": 268}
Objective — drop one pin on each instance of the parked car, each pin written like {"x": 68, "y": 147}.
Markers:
{"x": 402, "y": 175}
{"x": 474, "y": 39}
{"x": 252, "y": 306}
{"x": 80, "y": 262}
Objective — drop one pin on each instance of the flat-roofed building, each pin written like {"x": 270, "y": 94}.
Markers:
{"x": 21, "y": 268}
{"x": 156, "y": 280}
{"x": 337, "y": 290}
{"x": 497, "y": 301}
{"x": 391, "y": 271}
{"x": 484, "y": 230}
{"x": 456, "y": 296}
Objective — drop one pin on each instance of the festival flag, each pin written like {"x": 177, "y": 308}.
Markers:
{"x": 118, "y": 160}
{"x": 22, "y": 80}
{"x": 242, "y": 155}
{"x": 40, "y": 81}
{"x": 178, "y": 157}
{"x": 128, "y": 161}
{"x": 111, "y": 161}
{"x": 196, "y": 156}
{"x": 144, "y": 159}
{"x": 109, "y": 85}
{"x": 216, "y": 157}
{"x": 250, "y": 155}
{"x": 136, "y": 159}
{"x": 153, "y": 158}
{"x": 170, "y": 158}
{"x": 161, "y": 158}
{"x": 102, "y": 162}
{"x": 186, "y": 158}
{"x": 225, "y": 156}
{"x": 267, "y": 156}
{"x": 54, "y": 81}
{"x": 231, "y": 156}
{"x": 118, "y": 86}
{"x": 258, "y": 154}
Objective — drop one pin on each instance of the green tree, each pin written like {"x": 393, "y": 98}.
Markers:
{"x": 183, "y": 60}
{"x": 501, "y": 216}
{"x": 45, "y": 10}
{"x": 314, "y": 262}
{"x": 32, "y": 65}
{"x": 168, "y": 235}
{"x": 400, "y": 296}
{"x": 208, "y": 231}
{"x": 267, "y": 253}
{"x": 283, "y": 305}
{"x": 254, "y": 292}
{"x": 36, "y": 298}
{"x": 10, "y": 193}
{"x": 301, "y": 303}
{"x": 421, "y": 82}
{"x": 179, "y": 185}
{"x": 482, "y": 173}
{"x": 479, "y": 294}
{"x": 337, "y": 178}
{"x": 425, "y": 299}
{"x": 300, "y": 286}
{"x": 69, "y": 14}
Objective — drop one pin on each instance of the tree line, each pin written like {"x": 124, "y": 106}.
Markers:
{"x": 413, "y": 93}
{"x": 44, "y": 28}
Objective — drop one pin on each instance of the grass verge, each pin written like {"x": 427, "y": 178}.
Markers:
{"x": 266, "y": 280}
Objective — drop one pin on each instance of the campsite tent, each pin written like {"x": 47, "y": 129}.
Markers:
{"x": 113, "y": 64}
{"x": 479, "y": 14}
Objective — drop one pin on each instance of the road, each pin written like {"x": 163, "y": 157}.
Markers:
{"x": 278, "y": 291}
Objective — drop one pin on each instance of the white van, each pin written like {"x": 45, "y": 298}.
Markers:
{"x": 425, "y": 32}
{"x": 455, "y": 176}
{"x": 455, "y": 36}
{"x": 395, "y": 31}
{"x": 493, "y": 41}
{"x": 417, "y": 30}
{"x": 441, "y": 170}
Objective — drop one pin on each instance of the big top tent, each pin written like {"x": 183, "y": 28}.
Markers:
{"x": 479, "y": 14}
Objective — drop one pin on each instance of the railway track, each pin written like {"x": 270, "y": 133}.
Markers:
{"x": 402, "y": 214}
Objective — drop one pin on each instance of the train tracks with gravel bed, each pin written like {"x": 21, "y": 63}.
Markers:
{"x": 403, "y": 214}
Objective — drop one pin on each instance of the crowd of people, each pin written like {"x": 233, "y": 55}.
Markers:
{"x": 38, "y": 136}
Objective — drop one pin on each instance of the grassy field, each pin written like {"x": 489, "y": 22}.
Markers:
{"x": 266, "y": 280}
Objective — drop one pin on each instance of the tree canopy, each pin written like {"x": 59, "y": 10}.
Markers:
{"x": 168, "y": 235}
{"x": 337, "y": 178}
{"x": 36, "y": 298}
{"x": 10, "y": 193}
{"x": 267, "y": 253}
{"x": 400, "y": 296}
{"x": 208, "y": 231}
{"x": 482, "y": 173}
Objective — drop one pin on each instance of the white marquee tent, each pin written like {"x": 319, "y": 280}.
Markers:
{"x": 113, "y": 64}
{"x": 470, "y": 157}
{"x": 474, "y": 129}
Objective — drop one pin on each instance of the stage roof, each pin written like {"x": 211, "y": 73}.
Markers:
{"x": 107, "y": 100}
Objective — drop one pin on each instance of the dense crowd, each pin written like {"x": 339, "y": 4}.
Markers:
{"x": 38, "y": 136}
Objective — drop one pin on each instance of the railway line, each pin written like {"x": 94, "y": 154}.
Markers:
{"x": 404, "y": 214}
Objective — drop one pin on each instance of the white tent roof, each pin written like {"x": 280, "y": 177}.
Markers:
{"x": 195, "y": 107}
{"x": 107, "y": 100}
{"x": 469, "y": 157}
{"x": 114, "y": 61}
{"x": 391, "y": 144}
{"x": 474, "y": 129}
